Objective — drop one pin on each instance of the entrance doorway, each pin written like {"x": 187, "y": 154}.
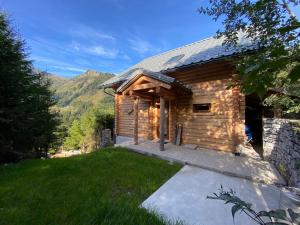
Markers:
{"x": 253, "y": 123}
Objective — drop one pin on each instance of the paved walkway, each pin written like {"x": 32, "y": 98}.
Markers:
{"x": 183, "y": 197}
{"x": 226, "y": 163}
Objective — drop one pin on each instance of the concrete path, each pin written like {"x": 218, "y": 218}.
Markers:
{"x": 183, "y": 197}
{"x": 226, "y": 163}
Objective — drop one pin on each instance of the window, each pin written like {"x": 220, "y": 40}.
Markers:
{"x": 174, "y": 59}
{"x": 205, "y": 107}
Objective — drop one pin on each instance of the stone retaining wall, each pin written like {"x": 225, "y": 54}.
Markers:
{"x": 281, "y": 143}
{"x": 106, "y": 138}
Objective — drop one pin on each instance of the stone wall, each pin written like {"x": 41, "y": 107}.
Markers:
{"x": 106, "y": 138}
{"x": 281, "y": 143}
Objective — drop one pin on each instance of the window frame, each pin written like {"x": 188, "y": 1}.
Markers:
{"x": 201, "y": 105}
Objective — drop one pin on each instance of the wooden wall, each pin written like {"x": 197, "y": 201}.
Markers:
{"x": 223, "y": 127}
{"x": 125, "y": 117}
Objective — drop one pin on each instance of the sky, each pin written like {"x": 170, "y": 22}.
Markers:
{"x": 68, "y": 37}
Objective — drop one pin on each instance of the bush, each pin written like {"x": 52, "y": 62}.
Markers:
{"x": 85, "y": 133}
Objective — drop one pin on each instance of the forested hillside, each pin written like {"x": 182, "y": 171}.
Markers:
{"x": 76, "y": 95}
{"x": 83, "y": 108}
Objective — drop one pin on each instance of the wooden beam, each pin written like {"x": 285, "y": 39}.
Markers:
{"x": 150, "y": 120}
{"x": 162, "y": 124}
{"x": 157, "y": 82}
{"x": 141, "y": 95}
{"x": 117, "y": 116}
{"x": 165, "y": 93}
{"x": 143, "y": 86}
{"x": 136, "y": 120}
{"x": 140, "y": 84}
{"x": 170, "y": 121}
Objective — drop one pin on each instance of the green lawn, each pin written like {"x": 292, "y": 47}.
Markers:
{"x": 103, "y": 187}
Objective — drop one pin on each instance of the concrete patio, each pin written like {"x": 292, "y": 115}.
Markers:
{"x": 183, "y": 198}
{"x": 249, "y": 168}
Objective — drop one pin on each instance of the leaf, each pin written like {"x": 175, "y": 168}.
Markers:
{"x": 293, "y": 215}
{"x": 278, "y": 214}
{"x": 264, "y": 214}
{"x": 294, "y": 75}
{"x": 276, "y": 223}
{"x": 235, "y": 209}
{"x": 294, "y": 25}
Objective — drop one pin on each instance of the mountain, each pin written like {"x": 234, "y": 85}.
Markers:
{"x": 77, "y": 94}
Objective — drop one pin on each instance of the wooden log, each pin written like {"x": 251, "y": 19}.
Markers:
{"x": 170, "y": 121}
{"x": 162, "y": 124}
{"x": 136, "y": 120}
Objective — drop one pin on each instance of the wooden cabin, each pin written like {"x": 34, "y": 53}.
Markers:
{"x": 182, "y": 96}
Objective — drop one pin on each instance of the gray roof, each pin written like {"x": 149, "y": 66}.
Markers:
{"x": 155, "y": 75}
{"x": 200, "y": 51}
{"x": 139, "y": 72}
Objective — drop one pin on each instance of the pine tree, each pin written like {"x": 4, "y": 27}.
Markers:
{"x": 26, "y": 122}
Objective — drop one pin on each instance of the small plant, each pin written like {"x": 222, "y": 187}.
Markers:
{"x": 273, "y": 217}
{"x": 297, "y": 166}
{"x": 283, "y": 170}
{"x": 51, "y": 151}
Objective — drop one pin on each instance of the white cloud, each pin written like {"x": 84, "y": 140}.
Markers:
{"x": 125, "y": 57}
{"x": 101, "y": 51}
{"x": 84, "y": 31}
{"x": 142, "y": 46}
{"x": 73, "y": 69}
{"x": 57, "y": 64}
{"x": 75, "y": 45}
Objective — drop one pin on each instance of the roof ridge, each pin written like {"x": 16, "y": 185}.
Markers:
{"x": 180, "y": 47}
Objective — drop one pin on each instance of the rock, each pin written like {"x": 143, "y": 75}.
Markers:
{"x": 282, "y": 146}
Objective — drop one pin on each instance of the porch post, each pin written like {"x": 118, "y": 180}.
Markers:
{"x": 136, "y": 120}
{"x": 162, "y": 124}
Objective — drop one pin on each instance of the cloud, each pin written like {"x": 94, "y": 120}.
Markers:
{"x": 101, "y": 51}
{"x": 71, "y": 69}
{"x": 142, "y": 46}
{"x": 83, "y": 31}
{"x": 53, "y": 64}
{"x": 125, "y": 57}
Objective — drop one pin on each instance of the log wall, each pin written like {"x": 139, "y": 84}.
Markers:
{"x": 222, "y": 128}
{"x": 125, "y": 117}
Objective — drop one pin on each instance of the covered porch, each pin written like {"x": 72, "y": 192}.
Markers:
{"x": 246, "y": 167}
{"x": 160, "y": 92}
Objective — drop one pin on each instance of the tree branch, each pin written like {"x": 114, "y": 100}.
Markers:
{"x": 286, "y": 6}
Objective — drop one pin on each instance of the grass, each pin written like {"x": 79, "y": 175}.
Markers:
{"x": 103, "y": 187}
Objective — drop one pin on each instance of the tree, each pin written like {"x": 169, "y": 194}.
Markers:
{"x": 274, "y": 30}
{"x": 84, "y": 134}
{"x": 75, "y": 136}
{"x": 26, "y": 122}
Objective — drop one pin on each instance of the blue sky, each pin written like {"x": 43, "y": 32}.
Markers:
{"x": 67, "y": 37}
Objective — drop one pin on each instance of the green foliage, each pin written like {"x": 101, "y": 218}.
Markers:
{"x": 274, "y": 30}
{"x": 76, "y": 98}
{"x": 76, "y": 95}
{"x": 104, "y": 187}
{"x": 75, "y": 138}
{"x": 26, "y": 123}
{"x": 283, "y": 170}
{"x": 297, "y": 165}
{"x": 273, "y": 217}
{"x": 85, "y": 132}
